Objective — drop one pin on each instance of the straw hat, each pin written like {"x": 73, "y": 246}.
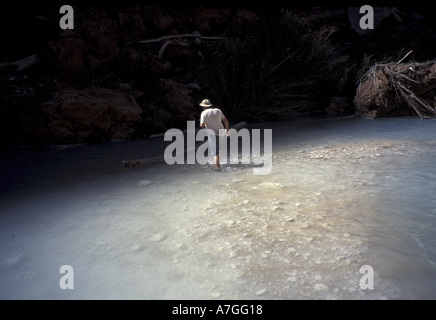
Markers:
{"x": 206, "y": 103}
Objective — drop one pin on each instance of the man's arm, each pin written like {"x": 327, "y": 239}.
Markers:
{"x": 202, "y": 124}
{"x": 226, "y": 123}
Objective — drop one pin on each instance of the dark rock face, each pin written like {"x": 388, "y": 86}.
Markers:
{"x": 177, "y": 98}
{"x": 115, "y": 84}
{"x": 94, "y": 114}
{"x": 70, "y": 57}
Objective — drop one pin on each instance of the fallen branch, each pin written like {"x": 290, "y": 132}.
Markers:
{"x": 175, "y": 39}
{"x": 195, "y": 34}
{"x": 167, "y": 43}
{"x": 22, "y": 64}
{"x": 401, "y": 60}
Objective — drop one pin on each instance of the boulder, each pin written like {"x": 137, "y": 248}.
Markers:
{"x": 158, "y": 20}
{"x": 69, "y": 57}
{"x": 212, "y": 19}
{"x": 102, "y": 35}
{"x": 91, "y": 115}
{"x": 132, "y": 23}
{"x": 244, "y": 17}
{"x": 142, "y": 63}
{"x": 339, "y": 105}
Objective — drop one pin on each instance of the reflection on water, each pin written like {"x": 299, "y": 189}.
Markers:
{"x": 341, "y": 194}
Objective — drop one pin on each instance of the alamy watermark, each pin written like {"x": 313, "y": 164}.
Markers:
{"x": 367, "y": 280}
{"x": 251, "y": 147}
{"x": 67, "y": 280}
{"x": 67, "y": 20}
{"x": 367, "y": 20}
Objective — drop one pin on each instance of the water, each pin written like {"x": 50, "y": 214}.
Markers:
{"x": 341, "y": 194}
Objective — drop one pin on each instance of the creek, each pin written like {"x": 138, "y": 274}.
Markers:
{"x": 341, "y": 194}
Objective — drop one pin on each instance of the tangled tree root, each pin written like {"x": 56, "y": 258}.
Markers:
{"x": 396, "y": 88}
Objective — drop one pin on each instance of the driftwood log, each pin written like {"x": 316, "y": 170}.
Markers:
{"x": 195, "y": 35}
{"x": 22, "y": 64}
{"x": 147, "y": 161}
{"x": 175, "y": 40}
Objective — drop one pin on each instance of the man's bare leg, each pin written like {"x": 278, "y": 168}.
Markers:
{"x": 217, "y": 161}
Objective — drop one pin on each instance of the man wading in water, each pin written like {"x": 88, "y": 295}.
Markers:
{"x": 213, "y": 118}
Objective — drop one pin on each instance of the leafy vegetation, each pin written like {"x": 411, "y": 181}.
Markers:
{"x": 280, "y": 69}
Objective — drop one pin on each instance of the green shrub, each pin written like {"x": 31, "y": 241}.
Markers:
{"x": 280, "y": 68}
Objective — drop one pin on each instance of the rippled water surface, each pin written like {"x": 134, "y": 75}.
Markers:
{"x": 342, "y": 194}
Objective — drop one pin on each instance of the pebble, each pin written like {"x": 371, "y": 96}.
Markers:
{"x": 158, "y": 237}
{"x": 260, "y": 292}
{"x": 179, "y": 245}
{"x": 320, "y": 287}
{"x": 215, "y": 295}
{"x": 230, "y": 222}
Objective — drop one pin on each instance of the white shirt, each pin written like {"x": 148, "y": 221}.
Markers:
{"x": 212, "y": 118}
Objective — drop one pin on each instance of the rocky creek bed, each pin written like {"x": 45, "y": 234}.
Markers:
{"x": 341, "y": 195}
